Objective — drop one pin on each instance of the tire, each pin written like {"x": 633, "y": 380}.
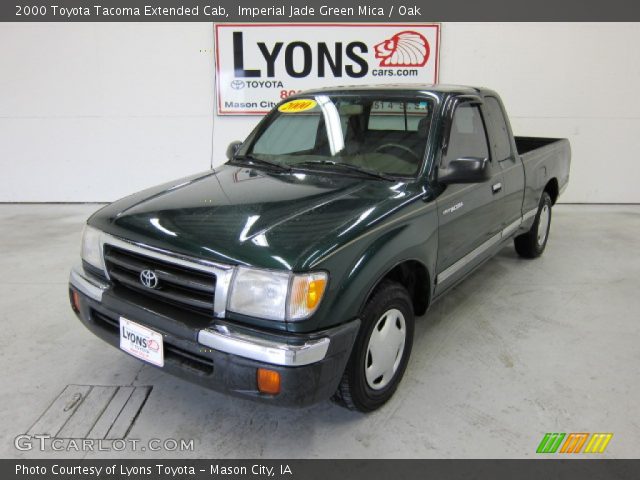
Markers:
{"x": 533, "y": 243}
{"x": 373, "y": 374}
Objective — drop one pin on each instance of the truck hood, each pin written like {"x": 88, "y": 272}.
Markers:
{"x": 240, "y": 215}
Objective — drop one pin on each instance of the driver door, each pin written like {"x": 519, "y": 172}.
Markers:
{"x": 469, "y": 215}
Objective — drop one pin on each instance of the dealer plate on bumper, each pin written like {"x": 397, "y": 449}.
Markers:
{"x": 141, "y": 342}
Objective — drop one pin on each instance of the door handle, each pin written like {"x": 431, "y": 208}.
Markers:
{"x": 496, "y": 187}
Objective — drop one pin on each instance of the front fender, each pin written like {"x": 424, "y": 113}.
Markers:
{"x": 359, "y": 266}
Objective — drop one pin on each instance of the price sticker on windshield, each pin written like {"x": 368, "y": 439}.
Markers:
{"x": 295, "y": 106}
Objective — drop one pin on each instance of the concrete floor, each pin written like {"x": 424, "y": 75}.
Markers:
{"x": 519, "y": 349}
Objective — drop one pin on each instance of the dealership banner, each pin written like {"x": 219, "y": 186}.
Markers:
{"x": 258, "y": 65}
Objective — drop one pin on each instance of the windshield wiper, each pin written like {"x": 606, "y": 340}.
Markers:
{"x": 346, "y": 166}
{"x": 260, "y": 161}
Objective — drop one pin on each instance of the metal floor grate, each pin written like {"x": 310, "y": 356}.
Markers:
{"x": 92, "y": 412}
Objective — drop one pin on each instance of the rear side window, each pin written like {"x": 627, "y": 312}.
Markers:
{"x": 498, "y": 128}
{"x": 468, "y": 137}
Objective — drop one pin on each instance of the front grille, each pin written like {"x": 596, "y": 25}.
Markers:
{"x": 176, "y": 284}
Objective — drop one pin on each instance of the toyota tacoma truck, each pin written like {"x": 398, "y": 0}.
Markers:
{"x": 295, "y": 271}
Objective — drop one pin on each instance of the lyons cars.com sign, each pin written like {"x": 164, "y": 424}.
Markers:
{"x": 258, "y": 65}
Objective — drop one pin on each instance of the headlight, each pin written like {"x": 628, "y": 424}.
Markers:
{"x": 92, "y": 247}
{"x": 276, "y": 295}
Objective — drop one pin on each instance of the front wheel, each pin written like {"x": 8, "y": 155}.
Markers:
{"x": 533, "y": 243}
{"x": 381, "y": 351}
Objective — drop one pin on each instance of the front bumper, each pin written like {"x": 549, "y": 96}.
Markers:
{"x": 221, "y": 355}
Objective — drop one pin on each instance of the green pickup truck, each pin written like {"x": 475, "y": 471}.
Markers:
{"x": 294, "y": 272}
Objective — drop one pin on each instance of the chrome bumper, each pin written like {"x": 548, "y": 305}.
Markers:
{"x": 90, "y": 286}
{"x": 227, "y": 339}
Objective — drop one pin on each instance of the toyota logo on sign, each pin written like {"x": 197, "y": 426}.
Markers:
{"x": 149, "y": 279}
{"x": 237, "y": 84}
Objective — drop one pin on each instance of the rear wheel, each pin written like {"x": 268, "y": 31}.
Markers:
{"x": 381, "y": 351}
{"x": 533, "y": 243}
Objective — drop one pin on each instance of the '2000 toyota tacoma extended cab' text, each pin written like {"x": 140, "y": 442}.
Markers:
{"x": 294, "y": 272}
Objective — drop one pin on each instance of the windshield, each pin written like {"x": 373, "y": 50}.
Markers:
{"x": 364, "y": 132}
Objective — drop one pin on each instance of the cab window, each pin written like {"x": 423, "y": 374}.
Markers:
{"x": 468, "y": 137}
{"x": 500, "y": 137}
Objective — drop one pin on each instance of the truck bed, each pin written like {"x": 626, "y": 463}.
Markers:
{"x": 543, "y": 159}
{"x": 526, "y": 144}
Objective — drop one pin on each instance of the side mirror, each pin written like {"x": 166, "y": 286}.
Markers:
{"x": 232, "y": 149}
{"x": 465, "y": 170}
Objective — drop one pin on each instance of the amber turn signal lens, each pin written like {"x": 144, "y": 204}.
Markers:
{"x": 315, "y": 291}
{"x": 268, "y": 381}
{"x": 75, "y": 301}
{"x": 307, "y": 290}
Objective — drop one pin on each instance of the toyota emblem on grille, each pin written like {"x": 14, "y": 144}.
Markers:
{"x": 149, "y": 279}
